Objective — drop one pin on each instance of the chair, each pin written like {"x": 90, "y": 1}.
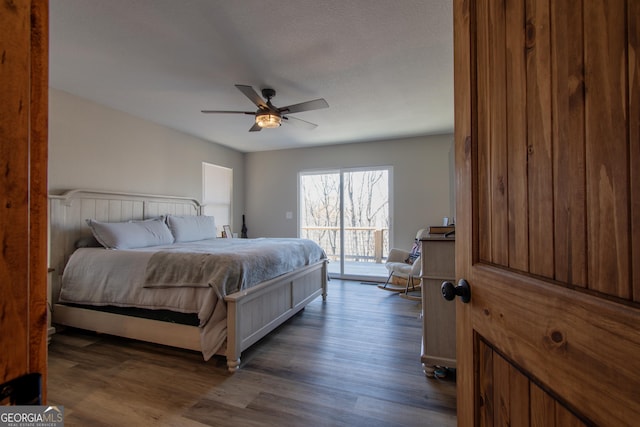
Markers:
{"x": 404, "y": 264}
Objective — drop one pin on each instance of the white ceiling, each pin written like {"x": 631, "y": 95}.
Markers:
{"x": 384, "y": 66}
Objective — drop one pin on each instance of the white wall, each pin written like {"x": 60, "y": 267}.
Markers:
{"x": 95, "y": 147}
{"x": 421, "y": 182}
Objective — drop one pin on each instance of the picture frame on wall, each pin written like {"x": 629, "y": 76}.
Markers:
{"x": 226, "y": 232}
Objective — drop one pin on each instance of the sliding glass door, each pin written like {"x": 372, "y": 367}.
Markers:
{"x": 347, "y": 212}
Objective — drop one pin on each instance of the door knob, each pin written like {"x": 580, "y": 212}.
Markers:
{"x": 449, "y": 292}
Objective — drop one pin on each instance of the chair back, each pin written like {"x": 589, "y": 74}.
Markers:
{"x": 416, "y": 268}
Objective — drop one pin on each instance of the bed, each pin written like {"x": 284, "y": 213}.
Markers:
{"x": 230, "y": 315}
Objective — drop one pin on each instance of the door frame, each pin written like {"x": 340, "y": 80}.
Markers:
{"x": 23, "y": 223}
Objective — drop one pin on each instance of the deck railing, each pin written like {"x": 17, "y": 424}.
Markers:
{"x": 362, "y": 244}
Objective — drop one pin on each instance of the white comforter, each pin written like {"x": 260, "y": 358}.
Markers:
{"x": 124, "y": 278}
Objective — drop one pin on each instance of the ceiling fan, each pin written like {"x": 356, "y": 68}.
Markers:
{"x": 270, "y": 116}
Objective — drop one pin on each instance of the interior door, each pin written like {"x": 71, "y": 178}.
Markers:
{"x": 547, "y": 133}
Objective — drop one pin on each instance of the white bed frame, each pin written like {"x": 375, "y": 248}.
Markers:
{"x": 251, "y": 314}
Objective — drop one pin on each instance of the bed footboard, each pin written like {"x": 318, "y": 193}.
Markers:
{"x": 253, "y": 313}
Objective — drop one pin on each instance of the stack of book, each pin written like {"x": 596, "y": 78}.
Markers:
{"x": 442, "y": 229}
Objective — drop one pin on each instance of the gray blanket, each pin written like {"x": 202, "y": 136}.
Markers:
{"x": 239, "y": 264}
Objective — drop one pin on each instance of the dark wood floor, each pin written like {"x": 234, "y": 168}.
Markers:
{"x": 352, "y": 361}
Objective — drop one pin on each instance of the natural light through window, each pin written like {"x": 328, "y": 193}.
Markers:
{"x": 217, "y": 188}
{"x": 348, "y": 213}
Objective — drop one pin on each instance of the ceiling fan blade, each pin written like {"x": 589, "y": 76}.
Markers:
{"x": 299, "y": 122}
{"x": 255, "y": 128}
{"x": 316, "y": 104}
{"x": 227, "y": 112}
{"x": 250, "y": 93}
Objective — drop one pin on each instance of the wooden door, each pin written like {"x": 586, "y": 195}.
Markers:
{"x": 24, "y": 64}
{"x": 547, "y": 134}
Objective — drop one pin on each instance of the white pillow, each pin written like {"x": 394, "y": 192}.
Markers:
{"x": 133, "y": 234}
{"x": 191, "y": 228}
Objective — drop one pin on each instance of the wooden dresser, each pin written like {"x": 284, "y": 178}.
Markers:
{"x": 439, "y": 315}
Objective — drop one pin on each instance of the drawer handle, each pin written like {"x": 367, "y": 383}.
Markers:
{"x": 463, "y": 290}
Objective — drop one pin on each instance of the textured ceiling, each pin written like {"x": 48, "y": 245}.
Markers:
{"x": 384, "y": 66}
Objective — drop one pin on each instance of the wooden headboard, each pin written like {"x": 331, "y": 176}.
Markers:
{"x": 69, "y": 211}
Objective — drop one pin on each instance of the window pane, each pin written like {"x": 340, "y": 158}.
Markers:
{"x": 366, "y": 221}
{"x": 217, "y": 188}
{"x": 320, "y": 208}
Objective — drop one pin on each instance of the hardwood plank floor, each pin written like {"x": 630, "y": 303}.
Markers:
{"x": 352, "y": 361}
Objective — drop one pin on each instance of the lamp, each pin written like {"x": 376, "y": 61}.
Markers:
{"x": 268, "y": 120}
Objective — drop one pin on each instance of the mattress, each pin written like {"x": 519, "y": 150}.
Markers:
{"x": 189, "y": 277}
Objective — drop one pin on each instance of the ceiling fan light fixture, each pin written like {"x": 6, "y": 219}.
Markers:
{"x": 268, "y": 120}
